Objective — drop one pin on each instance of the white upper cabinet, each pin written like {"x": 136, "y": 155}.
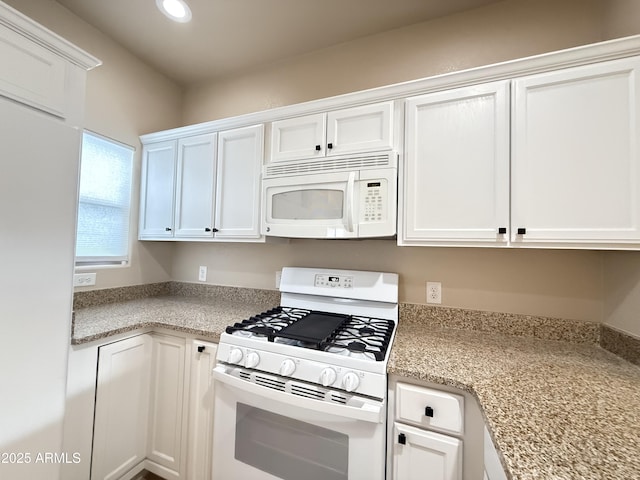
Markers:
{"x": 41, "y": 69}
{"x": 195, "y": 186}
{"x": 300, "y": 137}
{"x": 456, "y": 176}
{"x": 157, "y": 190}
{"x": 352, "y": 130}
{"x": 240, "y": 156}
{"x": 176, "y": 194}
{"x": 360, "y": 129}
{"x": 203, "y": 187}
{"x": 569, "y": 138}
{"x": 575, "y": 162}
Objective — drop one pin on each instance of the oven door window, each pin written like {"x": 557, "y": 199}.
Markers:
{"x": 308, "y": 204}
{"x": 288, "y": 448}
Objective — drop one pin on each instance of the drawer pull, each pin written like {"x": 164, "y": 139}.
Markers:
{"x": 402, "y": 439}
{"x": 428, "y": 412}
{"x": 200, "y": 348}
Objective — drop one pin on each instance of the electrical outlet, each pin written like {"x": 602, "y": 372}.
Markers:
{"x": 278, "y": 278}
{"x": 434, "y": 292}
{"x": 84, "y": 279}
{"x": 202, "y": 273}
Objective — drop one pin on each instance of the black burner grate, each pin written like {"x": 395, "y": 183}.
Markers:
{"x": 369, "y": 336}
{"x": 331, "y": 332}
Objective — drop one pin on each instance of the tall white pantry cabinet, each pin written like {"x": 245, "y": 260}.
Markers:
{"x": 42, "y": 87}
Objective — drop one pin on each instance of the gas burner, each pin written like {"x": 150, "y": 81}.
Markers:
{"x": 362, "y": 335}
{"x": 357, "y": 337}
{"x": 267, "y": 324}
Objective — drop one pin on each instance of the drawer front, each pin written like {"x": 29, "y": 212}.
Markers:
{"x": 430, "y": 408}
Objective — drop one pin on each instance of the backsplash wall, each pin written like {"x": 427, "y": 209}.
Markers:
{"x": 555, "y": 283}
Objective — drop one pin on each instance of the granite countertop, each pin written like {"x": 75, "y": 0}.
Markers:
{"x": 204, "y": 317}
{"x": 556, "y": 410}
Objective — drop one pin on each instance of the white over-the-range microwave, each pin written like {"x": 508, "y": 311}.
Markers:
{"x": 352, "y": 196}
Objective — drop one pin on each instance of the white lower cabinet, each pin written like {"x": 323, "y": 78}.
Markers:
{"x": 200, "y": 436}
{"x": 422, "y": 454}
{"x": 122, "y": 406}
{"x": 419, "y": 451}
{"x": 154, "y": 408}
{"x": 435, "y": 432}
{"x": 167, "y": 414}
{"x": 492, "y": 467}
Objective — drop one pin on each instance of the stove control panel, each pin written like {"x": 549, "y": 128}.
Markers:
{"x": 337, "y": 376}
{"x": 252, "y": 360}
{"x": 333, "y": 281}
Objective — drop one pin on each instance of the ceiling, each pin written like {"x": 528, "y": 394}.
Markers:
{"x": 229, "y": 36}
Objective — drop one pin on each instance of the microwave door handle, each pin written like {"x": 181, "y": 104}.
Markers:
{"x": 349, "y": 202}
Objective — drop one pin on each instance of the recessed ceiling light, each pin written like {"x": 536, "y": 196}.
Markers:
{"x": 176, "y": 10}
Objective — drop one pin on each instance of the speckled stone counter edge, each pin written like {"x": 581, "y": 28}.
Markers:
{"x": 94, "y": 298}
{"x": 547, "y": 328}
{"x": 620, "y": 343}
{"x": 573, "y": 331}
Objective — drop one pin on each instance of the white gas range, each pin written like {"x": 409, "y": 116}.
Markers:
{"x": 301, "y": 389}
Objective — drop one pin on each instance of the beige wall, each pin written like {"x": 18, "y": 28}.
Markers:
{"x": 125, "y": 98}
{"x": 556, "y": 283}
{"x": 498, "y": 32}
{"x": 621, "y": 275}
{"x": 621, "y": 285}
{"x": 541, "y": 282}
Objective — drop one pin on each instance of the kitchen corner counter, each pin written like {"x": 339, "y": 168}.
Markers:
{"x": 201, "y": 315}
{"x": 556, "y": 410}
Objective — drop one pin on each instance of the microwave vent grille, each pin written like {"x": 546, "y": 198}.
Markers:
{"x": 328, "y": 164}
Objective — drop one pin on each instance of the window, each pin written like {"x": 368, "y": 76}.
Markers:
{"x": 105, "y": 196}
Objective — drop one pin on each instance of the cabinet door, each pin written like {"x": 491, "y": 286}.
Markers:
{"x": 167, "y": 427}
{"x": 200, "y": 438}
{"x": 298, "y": 138}
{"x": 360, "y": 129}
{"x": 456, "y": 180}
{"x": 240, "y": 155}
{"x": 122, "y": 402}
{"x": 420, "y": 454}
{"x": 195, "y": 186}
{"x": 33, "y": 74}
{"x": 157, "y": 190}
{"x": 576, "y": 164}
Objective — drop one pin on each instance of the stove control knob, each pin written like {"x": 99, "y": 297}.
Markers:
{"x": 350, "y": 381}
{"x": 328, "y": 376}
{"x": 235, "y": 355}
{"x": 252, "y": 360}
{"x": 287, "y": 367}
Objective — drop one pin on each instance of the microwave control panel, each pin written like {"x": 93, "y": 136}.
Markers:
{"x": 373, "y": 204}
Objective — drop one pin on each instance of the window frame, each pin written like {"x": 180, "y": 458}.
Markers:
{"x": 109, "y": 261}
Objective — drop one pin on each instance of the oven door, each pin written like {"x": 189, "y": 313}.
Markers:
{"x": 264, "y": 433}
{"x": 311, "y": 206}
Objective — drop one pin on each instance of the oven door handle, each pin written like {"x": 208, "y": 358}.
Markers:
{"x": 350, "y": 204}
{"x": 366, "y": 412}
